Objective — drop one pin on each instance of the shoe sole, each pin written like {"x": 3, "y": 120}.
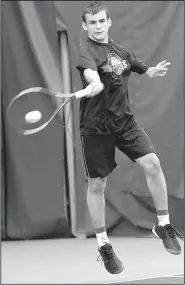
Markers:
{"x": 169, "y": 250}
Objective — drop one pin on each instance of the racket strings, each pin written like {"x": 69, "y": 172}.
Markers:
{"x": 48, "y": 104}
{"x": 21, "y": 106}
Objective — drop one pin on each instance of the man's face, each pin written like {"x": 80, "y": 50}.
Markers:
{"x": 97, "y": 26}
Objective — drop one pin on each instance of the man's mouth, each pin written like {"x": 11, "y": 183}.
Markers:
{"x": 99, "y": 32}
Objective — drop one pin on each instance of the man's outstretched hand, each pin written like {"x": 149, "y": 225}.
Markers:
{"x": 159, "y": 70}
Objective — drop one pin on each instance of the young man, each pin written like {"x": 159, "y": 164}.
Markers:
{"x": 107, "y": 121}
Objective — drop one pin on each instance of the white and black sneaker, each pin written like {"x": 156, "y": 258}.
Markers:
{"x": 111, "y": 262}
{"x": 169, "y": 237}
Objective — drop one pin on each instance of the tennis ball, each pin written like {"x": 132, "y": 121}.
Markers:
{"x": 33, "y": 117}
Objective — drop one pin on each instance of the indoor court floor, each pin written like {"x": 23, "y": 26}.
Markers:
{"x": 74, "y": 261}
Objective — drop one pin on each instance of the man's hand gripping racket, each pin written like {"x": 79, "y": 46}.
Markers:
{"x": 29, "y": 111}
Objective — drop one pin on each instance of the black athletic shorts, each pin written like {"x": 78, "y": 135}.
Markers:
{"x": 99, "y": 150}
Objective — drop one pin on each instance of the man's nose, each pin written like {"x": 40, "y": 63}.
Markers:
{"x": 98, "y": 25}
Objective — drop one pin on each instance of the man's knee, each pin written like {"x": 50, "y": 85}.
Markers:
{"x": 151, "y": 164}
{"x": 97, "y": 184}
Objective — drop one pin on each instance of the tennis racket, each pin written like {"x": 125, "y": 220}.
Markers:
{"x": 33, "y": 109}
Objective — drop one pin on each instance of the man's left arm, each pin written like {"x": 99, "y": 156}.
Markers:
{"x": 159, "y": 70}
{"x": 141, "y": 67}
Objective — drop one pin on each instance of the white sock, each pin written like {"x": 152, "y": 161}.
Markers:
{"x": 102, "y": 238}
{"x": 163, "y": 220}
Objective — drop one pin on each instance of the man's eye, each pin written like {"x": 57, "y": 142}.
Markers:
{"x": 102, "y": 21}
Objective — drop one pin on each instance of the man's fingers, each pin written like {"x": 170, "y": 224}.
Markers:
{"x": 163, "y": 64}
{"x": 161, "y": 69}
{"x": 160, "y": 74}
{"x": 167, "y": 64}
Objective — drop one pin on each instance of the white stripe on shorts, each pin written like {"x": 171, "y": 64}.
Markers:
{"x": 83, "y": 153}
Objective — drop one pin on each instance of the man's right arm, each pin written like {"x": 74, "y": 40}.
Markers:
{"x": 86, "y": 64}
{"x": 95, "y": 85}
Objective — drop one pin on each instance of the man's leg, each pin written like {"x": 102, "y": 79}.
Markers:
{"x": 136, "y": 144}
{"x": 96, "y": 206}
{"x": 156, "y": 182}
{"x": 99, "y": 162}
{"x": 157, "y": 187}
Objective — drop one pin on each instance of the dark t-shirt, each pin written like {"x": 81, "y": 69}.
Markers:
{"x": 109, "y": 111}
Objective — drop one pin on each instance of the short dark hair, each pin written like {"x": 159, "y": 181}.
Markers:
{"x": 94, "y": 7}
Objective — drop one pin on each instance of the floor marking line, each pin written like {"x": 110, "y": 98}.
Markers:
{"x": 144, "y": 278}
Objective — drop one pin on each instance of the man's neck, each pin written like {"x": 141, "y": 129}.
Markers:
{"x": 104, "y": 41}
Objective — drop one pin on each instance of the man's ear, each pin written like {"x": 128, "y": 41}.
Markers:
{"x": 110, "y": 22}
{"x": 84, "y": 26}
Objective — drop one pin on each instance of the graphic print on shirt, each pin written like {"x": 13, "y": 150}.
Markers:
{"x": 115, "y": 65}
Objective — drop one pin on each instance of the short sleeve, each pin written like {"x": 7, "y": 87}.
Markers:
{"x": 85, "y": 59}
{"x": 137, "y": 65}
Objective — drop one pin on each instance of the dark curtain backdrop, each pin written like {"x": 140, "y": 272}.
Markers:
{"x": 34, "y": 185}
{"x": 33, "y": 168}
{"x": 154, "y": 31}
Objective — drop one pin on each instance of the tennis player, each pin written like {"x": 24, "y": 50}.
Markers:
{"x": 107, "y": 122}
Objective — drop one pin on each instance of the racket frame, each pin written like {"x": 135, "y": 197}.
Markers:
{"x": 70, "y": 97}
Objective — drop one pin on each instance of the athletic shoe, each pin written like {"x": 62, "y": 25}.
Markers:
{"x": 111, "y": 262}
{"x": 168, "y": 235}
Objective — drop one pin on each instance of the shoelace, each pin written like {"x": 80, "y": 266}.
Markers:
{"x": 172, "y": 232}
{"x": 100, "y": 258}
{"x": 106, "y": 254}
